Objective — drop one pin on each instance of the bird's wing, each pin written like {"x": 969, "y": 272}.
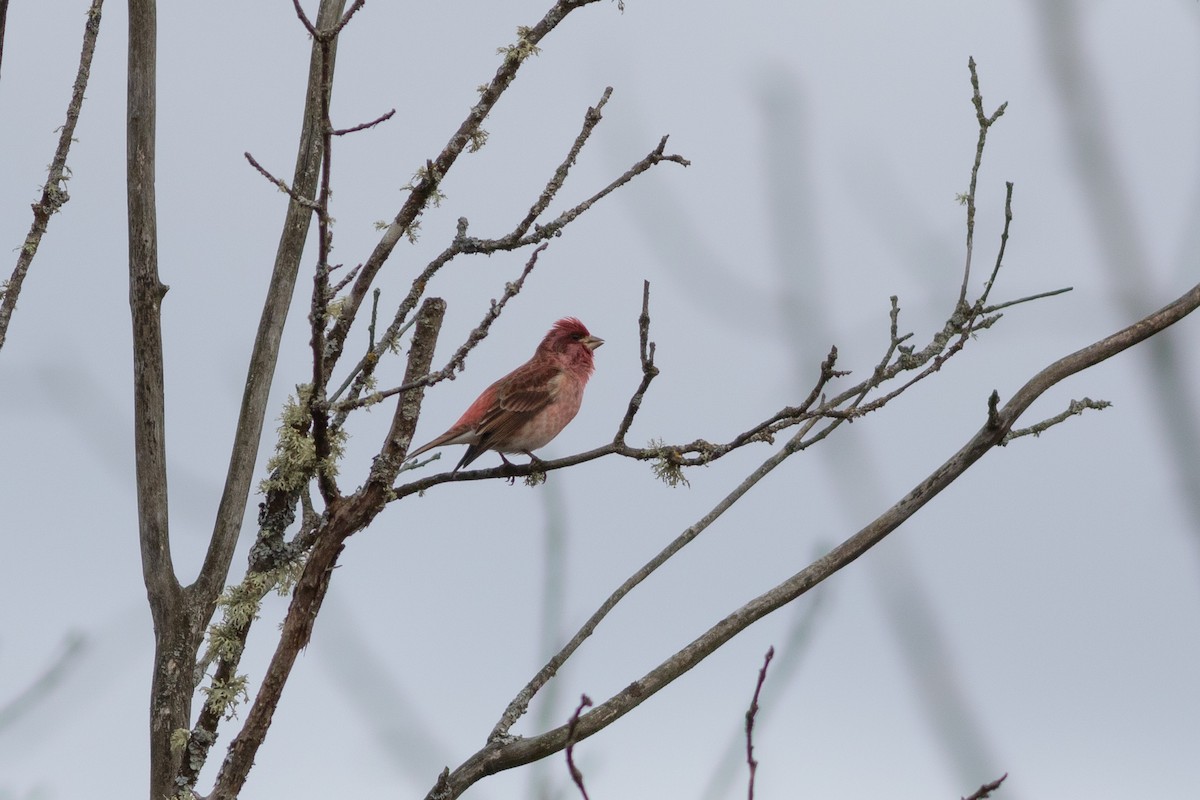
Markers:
{"x": 518, "y": 399}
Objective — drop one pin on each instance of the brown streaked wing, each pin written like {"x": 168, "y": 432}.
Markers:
{"x": 517, "y": 402}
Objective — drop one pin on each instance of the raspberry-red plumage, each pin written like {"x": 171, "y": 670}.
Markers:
{"x": 529, "y": 406}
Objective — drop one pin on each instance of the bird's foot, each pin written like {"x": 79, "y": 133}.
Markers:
{"x": 512, "y": 479}
{"x": 539, "y": 472}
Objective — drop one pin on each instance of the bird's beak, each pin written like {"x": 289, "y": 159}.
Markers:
{"x": 591, "y": 342}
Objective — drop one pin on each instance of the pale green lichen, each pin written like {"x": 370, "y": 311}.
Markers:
{"x": 334, "y": 309}
{"x": 523, "y": 48}
{"x": 223, "y": 696}
{"x": 667, "y": 467}
{"x": 295, "y": 461}
{"x": 240, "y": 606}
{"x": 479, "y": 138}
{"x": 179, "y": 739}
{"x": 427, "y": 175}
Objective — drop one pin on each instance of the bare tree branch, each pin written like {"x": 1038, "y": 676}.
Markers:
{"x": 458, "y": 360}
{"x": 649, "y": 371}
{"x": 964, "y": 321}
{"x": 1074, "y": 409}
{"x": 343, "y": 518}
{"x": 277, "y": 512}
{"x": 54, "y": 192}
{"x": 515, "y": 239}
{"x": 171, "y": 688}
{"x": 180, "y": 615}
{"x": 177, "y": 752}
{"x": 265, "y": 353}
{"x": 985, "y": 121}
{"x": 321, "y": 538}
{"x": 426, "y": 185}
{"x": 318, "y": 315}
{"x": 281, "y": 184}
{"x": 365, "y": 125}
{"x": 502, "y": 752}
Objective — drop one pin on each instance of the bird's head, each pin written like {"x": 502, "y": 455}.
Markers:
{"x": 571, "y": 338}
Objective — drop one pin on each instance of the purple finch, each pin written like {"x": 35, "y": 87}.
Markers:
{"x": 531, "y": 405}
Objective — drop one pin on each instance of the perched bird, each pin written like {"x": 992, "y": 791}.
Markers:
{"x": 531, "y": 405}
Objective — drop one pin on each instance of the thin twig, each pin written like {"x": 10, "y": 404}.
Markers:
{"x": 458, "y": 361}
{"x": 363, "y": 126}
{"x": 552, "y": 228}
{"x": 590, "y": 120}
{"x": 646, "y": 349}
{"x": 345, "y": 20}
{"x": 54, "y": 191}
{"x": 1008, "y": 218}
{"x": 319, "y": 305}
{"x": 576, "y": 775}
{"x": 424, "y": 188}
{"x": 283, "y": 187}
{"x": 985, "y": 122}
{"x": 374, "y": 318}
{"x": 517, "y": 238}
{"x": 1074, "y": 409}
{"x": 751, "y": 714}
{"x": 986, "y": 790}
{"x": 1040, "y": 295}
{"x": 349, "y": 276}
{"x": 304, "y": 20}
{"x": 797, "y": 643}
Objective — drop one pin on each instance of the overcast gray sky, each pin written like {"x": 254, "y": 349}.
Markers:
{"x": 828, "y": 143}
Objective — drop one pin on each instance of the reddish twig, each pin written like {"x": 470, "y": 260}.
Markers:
{"x": 363, "y": 126}
{"x": 987, "y": 789}
{"x": 576, "y": 775}
{"x": 751, "y": 713}
{"x": 281, "y": 184}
